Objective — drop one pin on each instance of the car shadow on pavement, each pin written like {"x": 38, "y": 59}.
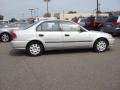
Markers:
{"x": 67, "y": 51}
{"x": 17, "y": 53}
{"x": 52, "y": 52}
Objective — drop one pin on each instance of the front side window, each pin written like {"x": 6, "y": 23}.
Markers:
{"x": 69, "y": 26}
{"x": 48, "y": 26}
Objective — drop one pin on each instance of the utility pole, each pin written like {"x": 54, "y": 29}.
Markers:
{"x": 97, "y": 11}
{"x": 31, "y": 11}
{"x": 47, "y": 6}
{"x": 47, "y": 1}
{"x": 37, "y": 12}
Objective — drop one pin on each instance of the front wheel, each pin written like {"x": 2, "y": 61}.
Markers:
{"x": 34, "y": 49}
{"x": 101, "y": 45}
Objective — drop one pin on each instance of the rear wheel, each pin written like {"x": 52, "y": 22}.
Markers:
{"x": 35, "y": 49}
{"x": 101, "y": 45}
{"x": 5, "y": 37}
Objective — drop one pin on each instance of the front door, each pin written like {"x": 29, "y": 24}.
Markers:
{"x": 73, "y": 36}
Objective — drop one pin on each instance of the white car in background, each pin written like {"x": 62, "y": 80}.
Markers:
{"x": 5, "y": 30}
{"x": 59, "y": 34}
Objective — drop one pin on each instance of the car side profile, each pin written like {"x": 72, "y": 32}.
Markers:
{"x": 59, "y": 34}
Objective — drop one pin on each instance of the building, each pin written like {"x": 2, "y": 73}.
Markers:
{"x": 69, "y": 16}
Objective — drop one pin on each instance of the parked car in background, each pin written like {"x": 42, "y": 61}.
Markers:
{"x": 3, "y": 23}
{"x": 59, "y": 34}
{"x": 82, "y": 21}
{"x": 112, "y": 25}
{"x": 95, "y": 22}
{"x": 6, "y": 29}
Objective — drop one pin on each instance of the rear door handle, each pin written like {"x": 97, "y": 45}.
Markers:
{"x": 41, "y": 35}
{"x": 67, "y": 35}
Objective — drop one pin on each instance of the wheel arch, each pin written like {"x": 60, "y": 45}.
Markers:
{"x": 100, "y": 39}
{"x": 5, "y": 32}
{"x": 40, "y": 42}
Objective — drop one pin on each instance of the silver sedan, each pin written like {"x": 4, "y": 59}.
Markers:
{"x": 59, "y": 34}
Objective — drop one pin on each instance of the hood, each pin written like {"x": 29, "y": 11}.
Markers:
{"x": 98, "y": 32}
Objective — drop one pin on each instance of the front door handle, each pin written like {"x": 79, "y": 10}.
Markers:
{"x": 41, "y": 35}
{"x": 67, "y": 35}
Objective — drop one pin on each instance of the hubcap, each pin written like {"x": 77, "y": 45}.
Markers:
{"x": 35, "y": 49}
{"x": 5, "y": 37}
{"x": 101, "y": 46}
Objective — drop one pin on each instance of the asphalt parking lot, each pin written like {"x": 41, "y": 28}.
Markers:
{"x": 60, "y": 70}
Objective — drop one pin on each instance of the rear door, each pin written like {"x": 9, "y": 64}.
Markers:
{"x": 50, "y": 33}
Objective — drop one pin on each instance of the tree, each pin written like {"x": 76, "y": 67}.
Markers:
{"x": 47, "y": 15}
{"x": 72, "y": 12}
{"x": 1, "y": 17}
{"x": 47, "y": 1}
{"x": 13, "y": 20}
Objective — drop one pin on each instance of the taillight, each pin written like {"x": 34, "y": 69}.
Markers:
{"x": 14, "y": 36}
{"x": 116, "y": 23}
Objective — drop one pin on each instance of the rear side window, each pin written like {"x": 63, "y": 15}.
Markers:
{"x": 112, "y": 19}
{"x": 48, "y": 26}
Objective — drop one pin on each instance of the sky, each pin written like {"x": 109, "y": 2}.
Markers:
{"x": 20, "y": 8}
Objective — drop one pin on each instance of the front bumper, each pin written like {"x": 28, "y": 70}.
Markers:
{"x": 111, "y": 42}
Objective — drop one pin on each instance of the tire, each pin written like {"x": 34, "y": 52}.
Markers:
{"x": 100, "y": 45}
{"x": 5, "y": 37}
{"x": 34, "y": 49}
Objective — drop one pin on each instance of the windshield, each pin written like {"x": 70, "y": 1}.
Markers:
{"x": 82, "y": 29}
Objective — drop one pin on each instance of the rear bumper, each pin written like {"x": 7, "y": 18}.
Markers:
{"x": 19, "y": 44}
